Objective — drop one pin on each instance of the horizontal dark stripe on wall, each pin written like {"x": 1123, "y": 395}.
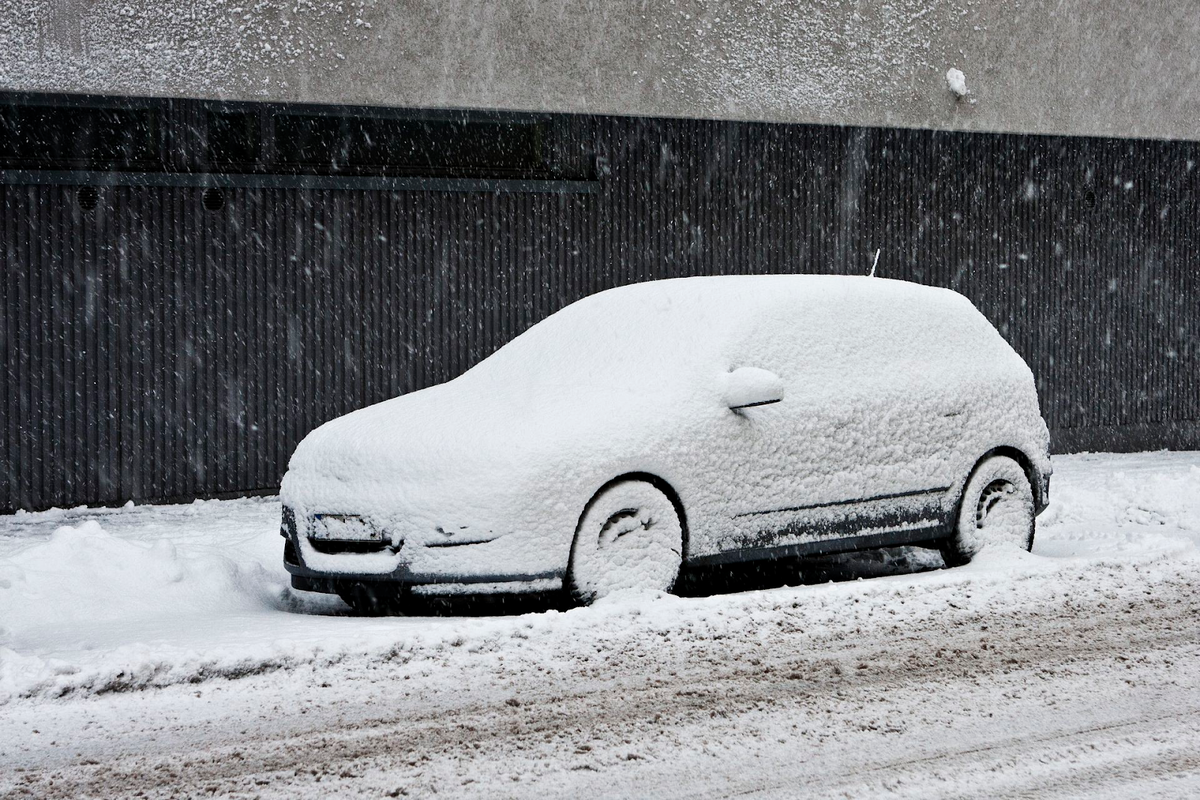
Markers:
{"x": 344, "y": 182}
{"x": 1180, "y": 435}
{"x": 168, "y": 341}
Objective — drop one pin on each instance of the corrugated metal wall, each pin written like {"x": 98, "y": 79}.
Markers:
{"x": 154, "y": 349}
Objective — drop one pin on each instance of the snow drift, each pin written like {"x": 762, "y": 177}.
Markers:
{"x": 83, "y": 571}
{"x": 83, "y": 587}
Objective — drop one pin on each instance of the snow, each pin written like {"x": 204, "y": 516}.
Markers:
{"x": 1090, "y": 635}
{"x": 210, "y": 46}
{"x": 630, "y": 539}
{"x": 156, "y": 595}
{"x": 908, "y": 379}
{"x": 43, "y": 581}
{"x": 774, "y": 55}
{"x": 956, "y": 81}
{"x": 748, "y": 386}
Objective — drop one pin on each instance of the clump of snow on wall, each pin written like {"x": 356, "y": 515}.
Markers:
{"x": 956, "y": 81}
{"x": 207, "y": 45}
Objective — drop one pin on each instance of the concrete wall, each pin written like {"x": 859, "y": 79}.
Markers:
{"x": 1088, "y": 67}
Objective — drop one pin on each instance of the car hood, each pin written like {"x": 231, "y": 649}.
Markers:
{"x": 461, "y": 442}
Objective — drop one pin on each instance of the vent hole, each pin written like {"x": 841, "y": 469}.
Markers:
{"x": 1089, "y": 201}
{"x": 214, "y": 199}
{"x": 87, "y": 197}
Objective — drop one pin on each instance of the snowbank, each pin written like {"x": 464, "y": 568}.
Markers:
{"x": 1127, "y": 506}
{"x": 85, "y": 572}
{"x": 197, "y": 594}
{"x": 80, "y": 588}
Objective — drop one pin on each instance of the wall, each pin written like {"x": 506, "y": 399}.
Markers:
{"x": 155, "y": 348}
{"x": 1077, "y": 67}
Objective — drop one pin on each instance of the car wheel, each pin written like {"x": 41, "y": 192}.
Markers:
{"x": 630, "y": 537}
{"x": 371, "y": 598}
{"x": 996, "y": 509}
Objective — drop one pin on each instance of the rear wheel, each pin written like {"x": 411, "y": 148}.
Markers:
{"x": 372, "y": 598}
{"x": 996, "y": 509}
{"x": 630, "y": 538}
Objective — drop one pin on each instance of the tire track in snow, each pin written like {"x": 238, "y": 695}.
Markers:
{"x": 1156, "y": 753}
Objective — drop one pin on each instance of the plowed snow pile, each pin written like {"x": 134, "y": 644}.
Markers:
{"x": 86, "y": 572}
{"x": 106, "y": 600}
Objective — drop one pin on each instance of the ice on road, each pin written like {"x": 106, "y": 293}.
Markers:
{"x": 157, "y": 651}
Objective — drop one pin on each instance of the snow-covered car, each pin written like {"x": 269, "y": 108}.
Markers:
{"x": 676, "y": 423}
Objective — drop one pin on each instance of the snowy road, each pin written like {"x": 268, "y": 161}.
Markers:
{"x": 157, "y": 653}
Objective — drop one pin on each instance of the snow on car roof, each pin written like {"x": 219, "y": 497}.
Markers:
{"x": 660, "y": 327}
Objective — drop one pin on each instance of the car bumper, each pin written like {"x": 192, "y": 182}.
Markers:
{"x": 487, "y": 566}
{"x": 1042, "y": 501}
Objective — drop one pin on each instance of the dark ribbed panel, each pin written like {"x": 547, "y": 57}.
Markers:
{"x": 154, "y": 349}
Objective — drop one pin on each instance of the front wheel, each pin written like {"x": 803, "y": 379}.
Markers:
{"x": 630, "y": 538}
{"x": 996, "y": 509}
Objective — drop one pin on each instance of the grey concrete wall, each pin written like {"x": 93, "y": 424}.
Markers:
{"x": 1103, "y": 67}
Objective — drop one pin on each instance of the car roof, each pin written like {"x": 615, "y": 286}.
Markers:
{"x": 655, "y": 329}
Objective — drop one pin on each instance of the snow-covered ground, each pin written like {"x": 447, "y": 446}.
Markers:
{"x": 158, "y": 650}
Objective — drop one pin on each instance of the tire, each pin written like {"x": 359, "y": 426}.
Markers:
{"x": 996, "y": 509}
{"x": 372, "y": 598}
{"x": 630, "y": 538}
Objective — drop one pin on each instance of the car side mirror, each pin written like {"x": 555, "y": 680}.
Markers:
{"x": 747, "y": 387}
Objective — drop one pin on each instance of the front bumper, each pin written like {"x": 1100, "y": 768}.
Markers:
{"x": 475, "y": 566}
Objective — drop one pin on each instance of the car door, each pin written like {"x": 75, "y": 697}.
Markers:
{"x": 835, "y": 457}
{"x": 793, "y": 462}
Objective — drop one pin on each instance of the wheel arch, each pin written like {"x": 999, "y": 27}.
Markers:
{"x": 657, "y": 482}
{"x": 952, "y": 558}
{"x": 1026, "y": 464}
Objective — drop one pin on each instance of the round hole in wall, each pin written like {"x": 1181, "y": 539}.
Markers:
{"x": 214, "y": 199}
{"x": 1089, "y": 200}
{"x": 87, "y": 197}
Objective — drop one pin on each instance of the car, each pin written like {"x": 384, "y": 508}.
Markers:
{"x": 675, "y": 424}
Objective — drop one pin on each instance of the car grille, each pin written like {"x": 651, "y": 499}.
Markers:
{"x": 346, "y": 547}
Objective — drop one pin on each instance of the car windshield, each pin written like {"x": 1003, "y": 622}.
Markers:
{"x": 648, "y": 333}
